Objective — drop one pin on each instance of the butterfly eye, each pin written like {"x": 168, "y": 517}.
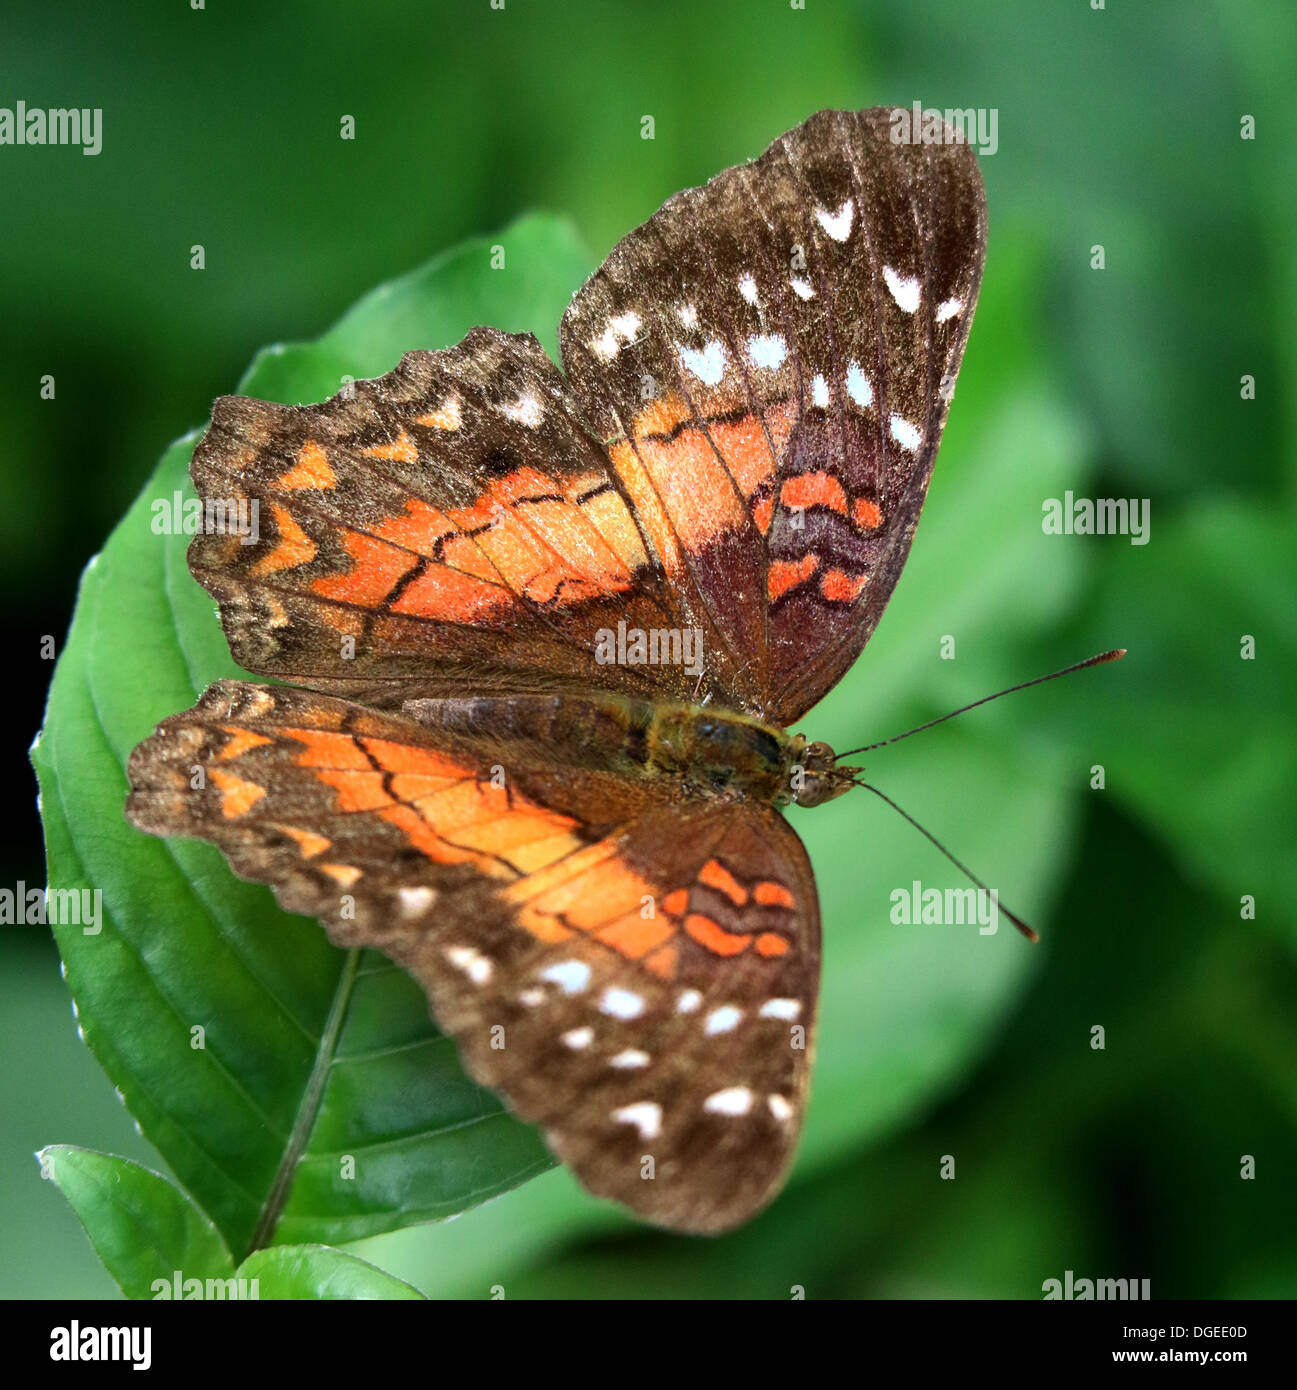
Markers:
{"x": 814, "y": 792}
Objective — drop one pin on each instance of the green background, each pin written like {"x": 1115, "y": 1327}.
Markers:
{"x": 1119, "y": 127}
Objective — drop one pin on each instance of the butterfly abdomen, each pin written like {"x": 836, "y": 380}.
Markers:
{"x": 704, "y": 750}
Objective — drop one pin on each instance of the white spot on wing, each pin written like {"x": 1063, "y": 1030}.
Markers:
{"x": 618, "y": 330}
{"x": 748, "y": 288}
{"x": 688, "y": 1001}
{"x": 837, "y": 224}
{"x": 780, "y": 1008}
{"x": 859, "y": 387}
{"x": 767, "y": 350}
{"x": 904, "y": 289}
{"x": 708, "y": 365}
{"x": 526, "y": 410}
{"x": 645, "y": 1115}
{"x": 820, "y": 392}
{"x": 802, "y": 288}
{"x": 722, "y": 1020}
{"x": 472, "y": 962}
{"x": 573, "y": 975}
{"x": 948, "y": 309}
{"x": 632, "y": 1057}
{"x": 577, "y": 1038}
{"x": 621, "y": 1003}
{"x": 687, "y": 315}
{"x": 415, "y": 900}
{"x": 449, "y": 416}
{"x": 532, "y": 997}
{"x": 734, "y": 1100}
{"x": 904, "y": 433}
{"x": 779, "y": 1107}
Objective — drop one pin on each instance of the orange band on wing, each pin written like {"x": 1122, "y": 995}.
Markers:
{"x": 788, "y": 574}
{"x": 714, "y": 937}
{"x": 404, "y": 757}
{"x": 311, "y": 470}
{"x": 378, "y": 569}
{"x": 697, "y": 491}
{"x": 238, "y": 796}
{"x": 418, "y": 528}
{"x": 715, "y": 875}
{"x": 295, "y": 546}
{"x": 814, "y": 490}
{"x": 648, "y": 505}
{"x": 663, "y": 961}
{"x": 773, "y": 895}
{"x": 308, "y": 841}
{"x": 746, "y": 451}
{"x": 324, "y": 748}
{"x": 586, "y": 889}
{"x": 840, "y": 587}
{"x": 675, "y": 903}
{"x": 240, "y": 741}
{"x": 450, "y": 597}
{"x": 635, "y": 936}
{"x": 402, "y": 449}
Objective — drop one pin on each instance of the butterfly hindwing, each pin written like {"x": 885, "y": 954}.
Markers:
{"x": 664, "y": 1042}
{"x": 641, "y": 985}
{"x": 772, "y": 357}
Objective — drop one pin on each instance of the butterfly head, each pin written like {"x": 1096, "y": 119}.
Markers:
{"x": 816, "y": 775}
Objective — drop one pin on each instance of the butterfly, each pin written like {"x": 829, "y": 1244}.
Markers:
{"x": 539, "y": 635}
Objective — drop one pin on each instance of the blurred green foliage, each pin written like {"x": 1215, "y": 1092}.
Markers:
{"x": 1118, "y": 127}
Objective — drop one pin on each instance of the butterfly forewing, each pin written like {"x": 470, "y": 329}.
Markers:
{"x": 771, "y": 357}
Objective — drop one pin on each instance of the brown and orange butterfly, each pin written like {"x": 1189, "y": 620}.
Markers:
{"x": 542, "y": 634}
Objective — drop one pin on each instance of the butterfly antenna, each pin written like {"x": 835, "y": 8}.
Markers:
{"x": 1115, "y": 655}
{"x": 1029, "y": 932}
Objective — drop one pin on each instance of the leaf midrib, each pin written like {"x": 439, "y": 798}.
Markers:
{"x": 309, "y": 1105}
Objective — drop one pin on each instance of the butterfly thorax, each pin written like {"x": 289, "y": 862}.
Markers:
{"x": 707, "y": 751}
{"x": 720, "y": 750}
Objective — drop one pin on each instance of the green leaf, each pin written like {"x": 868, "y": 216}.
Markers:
{"x": 141, "y": 1225}
{"x": 319, "y": 1271}
{"x": 299, "y": 1093}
